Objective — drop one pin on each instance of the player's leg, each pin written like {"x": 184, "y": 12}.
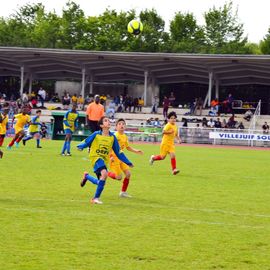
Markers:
{"x": 21, "y": 135}
{"x": 27, "y": 138}
{"x": 2, "y": 137}
{"x": 115, "y": 171}
{"x": 125, "y": 184}
{"x": 1, "y": 154}
{"x": 173, "y": 163}
{"x": 69, "y": 143}
{"x": 37, "y": 136}
{"x": 161, "y": 156}
{"x": 65, "y": 146}
{"x": 13, "y": 140}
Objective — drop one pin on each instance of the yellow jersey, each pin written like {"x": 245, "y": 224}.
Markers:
{"x": 123, "y": 143}
{"x": 22, "y": 120}
{"x": 169, "y": 138}
{"x": 34, "y": 126}
{"x": 70, "y": 119}
{"x": 3, "y": 124}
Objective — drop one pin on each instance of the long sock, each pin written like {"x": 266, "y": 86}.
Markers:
{"x": 112, "y": 175}
{"x": 92, "y": 179}
{"x": 158, "y": 157}
{"x": 173, "y": 163}
{"x": 19, "y": 139}
{"x": 68, "y": 146}
{"x": 125, "y": 184}
{"x": 1, "y": 141}
{"x": 12, "y": 142}
{"x": 64, "y": 147}
{"x": 100, "y": 188}
{"x": 38, "y": 142}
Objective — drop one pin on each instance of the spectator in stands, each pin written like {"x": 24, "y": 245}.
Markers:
{"x": 42, "y": 96}
{"x": 218, "y": 123}
{"x": 74, "y": 99}
{"x": 80, "y": 102}
{"x": 241, "y": 126}
{"x": 224, "y": 124}
{"x": 111, "y": 110}
{"x": 157, "y": 122}
{"x": 265, "y": 128}
{"x": 192, "y": 106}
{"x": 248, "y": 115}
{"x": 172, "y": 99}
{"x": 94, "y": 113}
{"x": 140, "y": 104}
{"x": 231, "y": 122}
{"x": 155, "y": 102}
{"x": 227, "y": 104}
{"x": 165, "y": 105}
{"x": 204, "y": 122}
{"x": 199, "y": 106}
{"x": 25, "y": 98}
{"x": 135, "y": 104}
{"x": 66, "y": 101}
{"x": 55, "y": 98}
{"x": 211, "y": 123}
{"x": 214, "y": 107}
{"x": 103, "y": 100}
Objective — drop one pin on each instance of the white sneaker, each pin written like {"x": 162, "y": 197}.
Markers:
{"x": 123, "y": 194}
{"x": 175, "y": 171}
{"x": 151, "y": 160}
{"x": 96, "y": 201}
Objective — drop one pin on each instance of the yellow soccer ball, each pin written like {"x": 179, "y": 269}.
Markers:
{"x": 135, "y": 27}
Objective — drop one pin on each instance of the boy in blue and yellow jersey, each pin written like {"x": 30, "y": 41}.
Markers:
{"x": 33, "y": 129}
{"x": 118, "y": 167}
{"x": 70, "y": 122}
{"x": 101, "y": 143}
{"x": 22, "y": 119}
{"x": 3, "y": 125}
{"x": 170, "y": 132}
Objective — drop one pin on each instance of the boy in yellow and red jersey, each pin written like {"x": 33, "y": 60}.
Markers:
{"x": 3, "y": 125}
{"x": 118, "y": 167}
{"x": 22, "y": 119}
{"x": 101, "y": 143}
{"x": 170, "y": 132}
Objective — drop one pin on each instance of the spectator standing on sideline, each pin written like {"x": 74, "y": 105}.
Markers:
{"x": 165, "y": 104}
{"x": 172, "y": 99}
{"x": 155, "y": 102}
{"x": 265, "y": 128}
{"x": 140, "y": 104}
{"x": 94, "y": 113}
{"x": 42, "y": 96}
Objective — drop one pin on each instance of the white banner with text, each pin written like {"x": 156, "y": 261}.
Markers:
{"x": 239, "y": 136}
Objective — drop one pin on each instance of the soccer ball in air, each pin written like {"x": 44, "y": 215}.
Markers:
{"x": 135, "y": 27}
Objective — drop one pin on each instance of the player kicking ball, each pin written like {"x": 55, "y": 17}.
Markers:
{"x": 170, "y": 132}
{"x": 118, "y": 167}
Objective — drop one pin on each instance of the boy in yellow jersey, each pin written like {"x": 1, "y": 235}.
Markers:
{"x": 22, "y": 119}
{"x": 34, "y": 129}
{"x": 101, "y": 143}
{"x": 3, "y": 125}
{"x": 117, "y": 166}
{"x": 170, "y": 132}
{"x": 70, "y": 122}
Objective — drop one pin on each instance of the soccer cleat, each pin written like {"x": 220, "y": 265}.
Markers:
{"x": 9, "y": 147}
{"x": 17, "y": 144}
{"x": 151, "y": 161}
{"x": 63, "y": 154}
{"x": 83, "y": 182}
{"x": 124, "y": 194}
{"x": 39, "y": 146}
{"x": 175, "y": 171}
{"x": 68, "y": 154}
{"x": 23, "y": 142}
{"x": 96, "y": 201}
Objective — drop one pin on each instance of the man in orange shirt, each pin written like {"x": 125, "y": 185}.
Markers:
{"x": 94, "y": 112}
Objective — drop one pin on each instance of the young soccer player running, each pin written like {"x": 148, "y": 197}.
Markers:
{"x": 3, "y": 125}
{"x": 101, "y": 143}
{"x": 33, "y": 129}
{"x": 170, "y": 132}
{"x": 70, "y": 122}
{"x": 22, "y": 119}
{"x": 117, "y": 166}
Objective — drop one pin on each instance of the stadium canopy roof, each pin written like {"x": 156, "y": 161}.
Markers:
{"x": 164, "y": 68}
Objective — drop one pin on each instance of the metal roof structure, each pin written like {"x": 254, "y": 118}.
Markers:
{"x": 105, "y": 66}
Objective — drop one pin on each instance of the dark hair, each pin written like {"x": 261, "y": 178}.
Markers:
{"x": 171, "y": 114}
{"x": 38, "y": 111}
{"x": 100, "y": 121}
{"x": 120, "y": 120}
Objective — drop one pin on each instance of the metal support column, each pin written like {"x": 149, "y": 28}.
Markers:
{"x": 145, "y": 87}
{"x": 83, "y": 83}
{"x": 22, "y": 81}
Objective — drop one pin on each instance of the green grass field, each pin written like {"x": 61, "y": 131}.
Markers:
{"x": 214, "y": 215}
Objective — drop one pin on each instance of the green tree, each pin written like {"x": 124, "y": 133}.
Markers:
{"x": 265, "y": 43}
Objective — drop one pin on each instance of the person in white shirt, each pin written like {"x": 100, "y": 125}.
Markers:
{"x": 211, "y": 123}
{"x": 42, "y": 95}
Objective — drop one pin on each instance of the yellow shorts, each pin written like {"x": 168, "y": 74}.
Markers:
{"x": 118, "y": 167}
{"x": 166, "y": 149}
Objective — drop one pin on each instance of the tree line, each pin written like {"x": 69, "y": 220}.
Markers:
{"x": 222, "y": 33}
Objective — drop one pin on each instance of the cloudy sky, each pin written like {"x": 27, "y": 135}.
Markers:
{"x": 254, "y": 15}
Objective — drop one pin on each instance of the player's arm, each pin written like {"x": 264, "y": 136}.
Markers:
{"x": 167, "y": 131}
{"x": 87, "y": 142}
{"x": 119, "y": 154}
{"x": 136, "y": 151}
{"x": 65, "y": 121}
{"x": 177, "y": 137}
{"x": 34, "y": 121}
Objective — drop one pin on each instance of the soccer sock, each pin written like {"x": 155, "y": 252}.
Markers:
{"x": 158, "y": 157}
{"x": 19, "y": 139}
{"x": 68, "y": 146}
{"x": 125, "y": 184}
{"x": 1, "y": 141}
{"x": 12, "y": 142}
{"x": 100, "y": 188}
{"x": 92, "y": 179}
{"x": 112, "y": 175}
{"x": 38, "y": 142}
{"x": 173, "y": 163}
{"x": 64, "y": 147}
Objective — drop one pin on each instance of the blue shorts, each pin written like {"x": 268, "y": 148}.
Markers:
{"x": 68, "y": 131}
{"x": 99, "y": 166}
